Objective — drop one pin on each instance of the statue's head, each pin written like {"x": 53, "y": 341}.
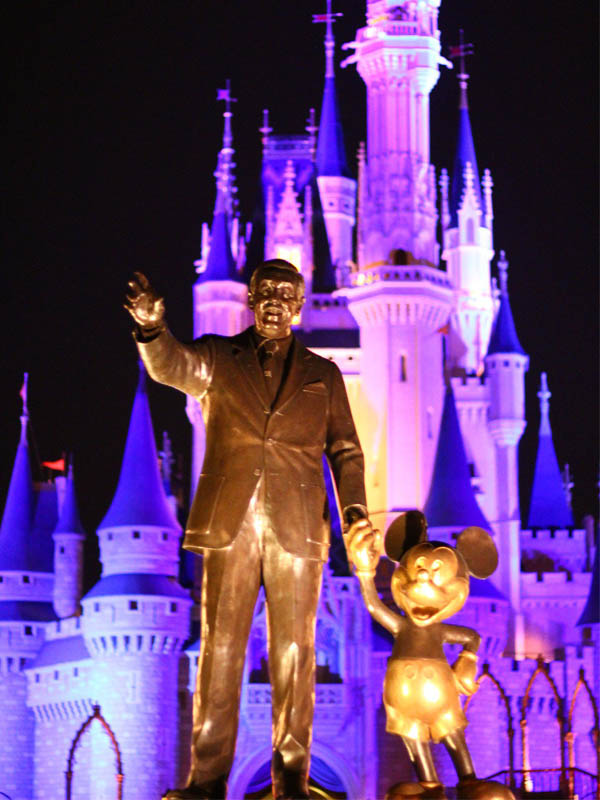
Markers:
{"x": 431, "y": 581}
{"x": 276, "y": 296}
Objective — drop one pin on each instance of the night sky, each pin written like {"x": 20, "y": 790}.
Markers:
{"x": 111, "y": 140}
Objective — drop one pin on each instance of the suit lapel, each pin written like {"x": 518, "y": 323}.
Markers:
{"x": 245, "y": 356}
{"x": 300, "y": 362}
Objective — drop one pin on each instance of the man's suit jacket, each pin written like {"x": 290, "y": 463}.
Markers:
{"x": 247, "y": 438}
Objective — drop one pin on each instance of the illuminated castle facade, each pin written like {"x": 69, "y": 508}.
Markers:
{"x": 435, "y": 373}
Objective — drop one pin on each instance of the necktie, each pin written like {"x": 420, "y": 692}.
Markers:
{"x": 267, "y": 359}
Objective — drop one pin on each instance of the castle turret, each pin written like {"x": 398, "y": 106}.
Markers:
{"x": 136, "y": 619}
{"x": 467, "y": 237}
{"x": 506, "y": 364}
{"x": 25, "y": 608}
{"x": 18, "y": 511}
{"x": 69, "y": 537}
{"x": 336, "y": 187}
{"x": 220, "y": 295}
{"x": 451, "y": 503}
{"x": 548, "y": 507}
{"x": 397, "y": 55}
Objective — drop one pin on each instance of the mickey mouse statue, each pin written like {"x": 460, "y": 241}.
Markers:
{"x": 421, "y": 690}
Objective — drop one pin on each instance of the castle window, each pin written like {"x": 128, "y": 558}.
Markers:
{"x": 61, "y": 550}
{"x": 403, "y": 377}
{"x": 133, "y": 605}
{"x": 165, "y": 537}
{"x": 1, "y": 578}
{"x": 493, "y": 608}
{"x": 470, "y": 231}
{"x": 96, "y": 606}
{"x": 56, "y": 674}
{"x": 136, "y": 535}
{"x": 28, "y": 630}
{"x": 430, "y": 423}
{"x": 26, "y": 579}
{"x": 22, "y": 662}
{"x": 109, "y": 536}
{"x": 75, "y": 672}
{"x": 37, "y": 677}
{"x": 587, "y": 634}
{"x": 173, "y": 608}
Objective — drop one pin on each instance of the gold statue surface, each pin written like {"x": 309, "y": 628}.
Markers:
{"x": 421, "y": 690}
{"x": 271, "y": 410}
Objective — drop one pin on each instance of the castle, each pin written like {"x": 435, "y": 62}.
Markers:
{"x": 434, "y": 369}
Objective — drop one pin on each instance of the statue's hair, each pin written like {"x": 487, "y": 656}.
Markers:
{"x": 278, "y": 265}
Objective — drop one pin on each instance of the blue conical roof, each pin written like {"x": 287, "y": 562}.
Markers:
{"x": 465, "y": 153}
{"x": 323, "y": 281}
{"x": 504, "y": 337}
{"x": 331, "y": 153}
{"x": 220, "y": 265}
{"x": 548, "y": 507}
{"x": 18, "y": 512}
{"x": 69, "y": 521}
{"x": 451, "y": 500}
{"x": 591, "y": 612}
{"x": 140, "y": 497}
{"x": 41, "y": 547}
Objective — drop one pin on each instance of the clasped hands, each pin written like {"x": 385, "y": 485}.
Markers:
{"x": 364, "y": 545}
{"x": 144, "y": 304}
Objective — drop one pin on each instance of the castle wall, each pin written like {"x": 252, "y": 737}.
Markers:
{"x": 16, "y": 752}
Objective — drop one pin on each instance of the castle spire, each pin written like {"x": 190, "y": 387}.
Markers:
{"x": 548, "y": 507}
{"x": 140, "y": 497}
{"x": 504, "y": 337}
{"x": 18, "y": 512}
{"x": 220, "y": 264}
{"x": 68, "y": 538}
{"x": 331, "y": 153}
{"x": 451, "y": 502}
{"x": 465, "y": 148}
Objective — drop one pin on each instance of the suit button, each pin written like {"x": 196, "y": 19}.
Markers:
{"x": 270, "y": 441}
{"x": 257, "y": 472}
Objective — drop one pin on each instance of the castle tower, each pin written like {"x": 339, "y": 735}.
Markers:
{"x": 451, "y": 504}
{"x": 506, "y": 364}
{"x": 25, "y": 607}
{"x": 336, "y": 188}
{"x": 68, "y": 554}
{"x": 548, "y": 507}
{"x": 136, "y": 619}
{"x": 397, "y": 55}
{"x": 467, "y": 238}
{"x": 220, "y": 295}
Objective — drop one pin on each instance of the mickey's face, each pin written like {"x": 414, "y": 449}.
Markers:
{"x": 431, "y": 583}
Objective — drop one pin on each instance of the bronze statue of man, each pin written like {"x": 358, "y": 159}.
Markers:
{"x": 271, "y": 409}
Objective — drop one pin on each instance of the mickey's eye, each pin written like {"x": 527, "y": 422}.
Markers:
{"x": 436, "y": 565}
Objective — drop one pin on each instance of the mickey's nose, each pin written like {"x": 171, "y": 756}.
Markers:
{"x": 422, "y": 575}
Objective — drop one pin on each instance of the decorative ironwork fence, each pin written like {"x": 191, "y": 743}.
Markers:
{"x": 566, "y": 781}
{"x": 75, "y": 743}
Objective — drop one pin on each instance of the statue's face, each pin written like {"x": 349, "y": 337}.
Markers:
{"x": 431, "y": 583}
{"x": 275, "y": 303}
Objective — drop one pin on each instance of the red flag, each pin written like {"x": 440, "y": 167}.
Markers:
{"x": 58, "y": 465}
{"x": 444, "y": 329}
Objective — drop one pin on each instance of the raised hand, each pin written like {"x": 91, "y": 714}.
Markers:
{"x": 364, "y": 545}
{"x": 143, "y": 303}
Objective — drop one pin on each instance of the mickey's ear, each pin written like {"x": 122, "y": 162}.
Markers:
{"x": 477, "y": 548}
{"x": 405, "y": 532}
